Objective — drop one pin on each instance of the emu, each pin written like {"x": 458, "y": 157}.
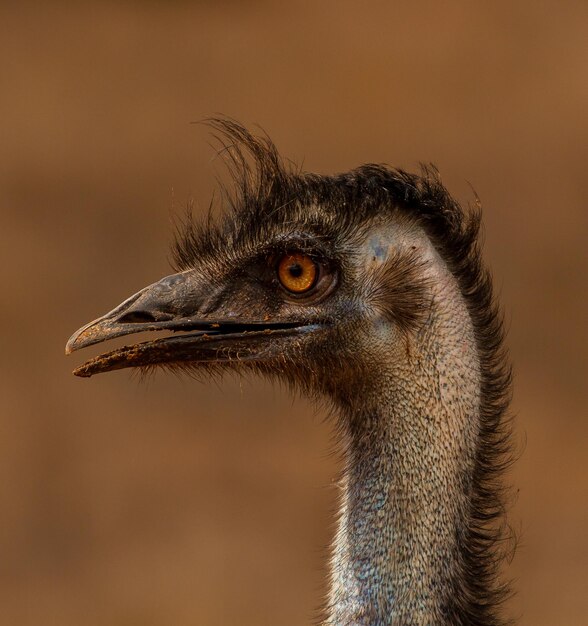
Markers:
{"x": 366, "y": 289}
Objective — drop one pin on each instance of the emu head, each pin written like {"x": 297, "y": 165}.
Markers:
{"x": 307, "y": 277}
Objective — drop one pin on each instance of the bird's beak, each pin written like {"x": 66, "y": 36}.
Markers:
{"x": 172, "y": 304}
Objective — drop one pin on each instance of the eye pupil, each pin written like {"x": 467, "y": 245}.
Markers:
{"x": 295, "y": 270}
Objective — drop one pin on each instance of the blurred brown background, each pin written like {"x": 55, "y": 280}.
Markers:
{"x": 169, "y": 502}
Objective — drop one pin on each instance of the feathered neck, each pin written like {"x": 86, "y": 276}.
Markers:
{"x": 416, "y": 541}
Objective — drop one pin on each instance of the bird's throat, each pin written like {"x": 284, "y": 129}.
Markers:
{"x": 409, "y": 466}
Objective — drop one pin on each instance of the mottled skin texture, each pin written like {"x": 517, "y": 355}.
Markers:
{"x": 401, "y": 336}
{"x": 410, "y": 451}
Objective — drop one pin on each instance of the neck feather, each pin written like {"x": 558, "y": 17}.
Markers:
{"x": 411, "y": 522}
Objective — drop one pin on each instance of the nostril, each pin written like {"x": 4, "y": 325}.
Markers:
{"x": 137, "y": 317}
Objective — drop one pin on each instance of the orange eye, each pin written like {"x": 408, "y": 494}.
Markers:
{"x": 297, "y": 272}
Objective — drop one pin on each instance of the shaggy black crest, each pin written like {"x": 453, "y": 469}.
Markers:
{"x": 265, "y": 191}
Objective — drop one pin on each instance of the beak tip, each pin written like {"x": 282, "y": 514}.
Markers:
{"x": 72, "y": 343}
{"x": 81, "y": 372}
{"x": 85, "y": 336}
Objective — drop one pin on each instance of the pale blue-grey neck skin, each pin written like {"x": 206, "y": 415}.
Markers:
{"x": 409, "y": 455}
